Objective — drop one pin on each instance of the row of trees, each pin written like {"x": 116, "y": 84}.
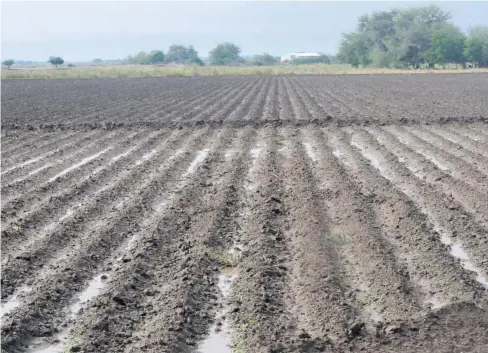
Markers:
{"x": 53, "y": 60}
{"x": 412, "y": 38}
{"x": 177, "y": 54}
{"x": 223, "y": 54}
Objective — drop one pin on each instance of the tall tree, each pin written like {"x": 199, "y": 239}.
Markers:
{"x": 179, "y": 54}
{"x": 447, "y": 45}
{"x": 224, "y": 54}
{"x": 476, "y": 50}
{"x": 56, "y": 60}
{"x": 155, "y": 57}
{"x": 394, "y": 38}
{"x": 8, "y": 63}
{"x": 354, "y": 49}
{"x": 264, "y": 59}
{"x": 140, "y": 58}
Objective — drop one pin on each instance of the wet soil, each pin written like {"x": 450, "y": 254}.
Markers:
{"x": 256, "y": 214}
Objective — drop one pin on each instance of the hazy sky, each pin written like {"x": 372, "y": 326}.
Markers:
{"x": 113, "y": 29}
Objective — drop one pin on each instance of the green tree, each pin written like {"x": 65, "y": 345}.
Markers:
{"x": 413, "y": 44}
{"x": 56, "y": 60}
{"x": 224, "y": 54}
{"x": 476, "y": 50}
{"x": 354, "y": 49}
{"x": 140, "y": 58}
{"x": 322, "y": 59}
{"x": 8, "y": 63}
{"x": 155, "y": 57}
{"x": 179, "y": 54}
{"x": 393, "y": 38}
{"x": 264, "y": 59}
{"x": 97, "y": 61}
{"x": 447, "y": 45}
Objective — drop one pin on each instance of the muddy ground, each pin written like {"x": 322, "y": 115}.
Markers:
{"x": 256, "y": 214}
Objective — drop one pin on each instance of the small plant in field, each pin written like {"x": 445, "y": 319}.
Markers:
{"x": 368, "y": 299}
{"x": 338, "y": 238}
{"x": 237, "y": 346}
{"x": 223, "y": 258}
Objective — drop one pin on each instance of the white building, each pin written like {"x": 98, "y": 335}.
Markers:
{"x": 290, "y": 56}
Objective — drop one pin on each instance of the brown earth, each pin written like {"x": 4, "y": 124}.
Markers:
{"x": 348, "y": 214}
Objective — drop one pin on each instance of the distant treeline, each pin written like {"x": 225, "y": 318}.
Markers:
{"x": 223, "y": 54}
{"x": 415, "y": 37}
{"x": 412, "y": 38}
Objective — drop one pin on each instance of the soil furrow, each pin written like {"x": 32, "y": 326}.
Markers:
{"x": 465, "y": 142}
{"x": 210, "y": 110}
{"x": 262, "y": 321}
{"x": 471, "y": 134}
{"x": 25, "y": 150}
{"x": 207, "y": 102}
{"x": 22, "y": 171}
{"x": 256, "y": 108}
{"x": 376, "y": 283}
{"x": 178, "y": 110}
{"x": 225, "y": 110}
{"x": 56, "y": 168}
{"x": 56, "y": 207}
{"x": 271, "y": 107}
{"x": 318, "y": 111}
{"x": 436, "y": 215}
{"x": 442, "y": 160}
{"x": 286, "y": 112}
{"x": 430, "y": 168}
{"x": 97, "y": 244}
{"x": 299, "y": 111}
{"x": 242, "y": 108}
{"x": 310, "y": 213}
{"x": 481, "y": 128}
{"x": 185, "y": 227}
{"x": 47, "y": 246}
{"x": 130, "y": 109}
{"x": 471, "y": 159}
{"x": 20, "y": 207}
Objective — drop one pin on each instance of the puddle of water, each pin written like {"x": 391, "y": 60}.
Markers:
{"x": 372, "y": 158}
{"x": 200, "y": 157}
{"x": 217, "y": 342}
{"x": 15, "y": 300}
{"x": 219, "y": 338}
{"x": 226, "y": 280}
{"x": 94, "y": 288}
{"x": 61, "y": 339}
{"x": 310, "y": 151}
{"x": 458, "y": 252}
{"x": 79, "y": 164}
{"x": 456, "y": 249}
{"x": 97, "y": 284}
{"x": 255, "y": 153}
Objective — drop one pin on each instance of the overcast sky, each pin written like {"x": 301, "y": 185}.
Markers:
{"x": 80, "y": 31}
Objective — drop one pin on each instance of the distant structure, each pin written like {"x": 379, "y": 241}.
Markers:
{"x": 291, "y": 56}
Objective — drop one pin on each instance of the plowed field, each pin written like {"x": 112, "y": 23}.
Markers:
{"x": 245, "y": 214}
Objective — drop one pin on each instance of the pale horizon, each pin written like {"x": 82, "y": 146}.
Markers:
{"x": 81, "y": 31}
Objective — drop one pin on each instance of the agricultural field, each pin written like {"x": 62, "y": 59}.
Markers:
{"x": 245, "y": 214}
